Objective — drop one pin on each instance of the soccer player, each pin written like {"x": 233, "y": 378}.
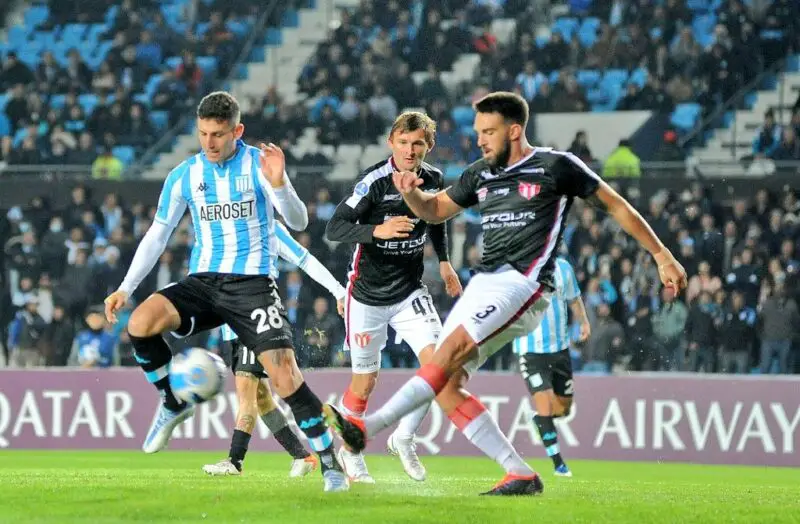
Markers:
{"x": 545, "y": 362}
{"x": 523, "y": 194}
{"x": 230, "y": 189}
{"x": 385, "y": 286}
{"x": 252, "y": 389}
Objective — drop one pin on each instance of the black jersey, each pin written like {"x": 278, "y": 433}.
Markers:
{"x": 523, "y": 208}
{"x": 385, "y": 272}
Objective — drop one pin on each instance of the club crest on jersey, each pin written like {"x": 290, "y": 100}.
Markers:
{"x": 362, "y": 339}
{"x": 361, "y": 189}
{"x": 482, "y": 192}
{"x": 528, "y": 191}
{"x": 243, "y": 184}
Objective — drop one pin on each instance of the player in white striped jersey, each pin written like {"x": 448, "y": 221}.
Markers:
{"x": 252, "y": 388}
{"x": 231, "y": 190}
{"x": 545, "y": 362}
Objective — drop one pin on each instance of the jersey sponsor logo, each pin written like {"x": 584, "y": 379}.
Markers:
{"x": 403, "y": 245}
{"x": 414, "y": 220}
{"x": 487, "y": 175}
{"x": 361, "y": 189}
{"x": 482, "y": 192}
{"x": 528, "y": 190}
{"x": 243, "y": 184}
{"x": 227, "y": 211}
{"x": 507, "y": 219}
{"x": 387, "y": 198}
{"x": 362, "y": 339}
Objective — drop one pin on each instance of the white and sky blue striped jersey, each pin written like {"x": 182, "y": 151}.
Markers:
{"x": 285, "y": 247}
{"x": 552, "y": 334}
{"x": 231, "y": 208}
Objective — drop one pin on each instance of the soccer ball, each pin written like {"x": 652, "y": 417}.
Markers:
{"x": 196, "y": 375}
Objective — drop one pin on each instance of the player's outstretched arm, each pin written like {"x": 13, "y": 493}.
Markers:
{"x": 432, "y": 208}
{"x": 672, "y": 273}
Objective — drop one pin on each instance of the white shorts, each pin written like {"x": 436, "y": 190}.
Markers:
{"x": 414, "y": 319}
{"x": 495, "y": 309}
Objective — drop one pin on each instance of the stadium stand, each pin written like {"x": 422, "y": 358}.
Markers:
{"x": 680, "y": 59}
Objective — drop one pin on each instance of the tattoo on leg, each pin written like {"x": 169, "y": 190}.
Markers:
{"x": 278, "y": 356}
{"x": 246, "y": 423}
{"x": 246, "y": 374}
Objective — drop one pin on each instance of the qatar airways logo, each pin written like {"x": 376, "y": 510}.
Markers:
{"x": 507, "y": 219}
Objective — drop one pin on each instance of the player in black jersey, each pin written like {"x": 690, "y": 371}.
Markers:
{"x": 385, "y": 286}
{"x": 523, "y": 194}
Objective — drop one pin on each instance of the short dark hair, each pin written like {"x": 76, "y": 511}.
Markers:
{"x": 220, "y": 106}
{"x": 511, "y": 106}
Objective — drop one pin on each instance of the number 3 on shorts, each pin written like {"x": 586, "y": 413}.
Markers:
{"x": 267, "y": 319}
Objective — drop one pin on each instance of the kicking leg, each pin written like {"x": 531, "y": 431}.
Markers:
{"x": 149, "y": 320}
{"x": 304, "y": 462}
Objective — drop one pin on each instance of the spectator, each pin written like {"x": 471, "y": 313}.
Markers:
{"x": 779, "y": 318}
{"x": 15, "y": 72}
{"x": 702, "y": 282}
{"x": 737, "y": 336}
{"x": 320, "y": 334}
{"x": 94, "y": 347}
{"x": 668, "y": 327}
{"x": 606, "y": 344}
{"x": 107, "y": 166}
{"x": 25, "y": 336}
{"x": 58, "y": 338}
{"x": 622, "y": 162}
{"x": 701, "y": 336}
{"x": 580, "y": 147}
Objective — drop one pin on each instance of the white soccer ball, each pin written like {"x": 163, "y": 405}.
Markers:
{"x": 197, "y": 375}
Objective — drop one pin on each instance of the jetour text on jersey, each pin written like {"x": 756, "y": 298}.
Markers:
{"x": 227, "y": 211}
{"x": 507, "y": 219}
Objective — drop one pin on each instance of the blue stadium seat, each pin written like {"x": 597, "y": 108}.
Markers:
{"x": 238, "y": 28}
{"x": 125, "y": 154}
{"x": 703, "y": 25}
{"x": 208, "y": 64}
{"x": 793, "y": 64}
{"x": 95, "y": 31}
{"x": 639, "y": 77}
{"x": 57, "y": 101}
{"x": 587, "y": 37}
{"x": 111, "y": 14}
{"x": 5, "y": 125}
{"x": 463, "y": 116}
{"x": 72, "y": 34}
{"x": 590, "y": 23}
{"x": 291, "y": 18}
{"x": 566, "y": 26}
{"x": 698, "y": 5}
{"x": 588, "y": 77}
{"x": 3, "y": 101}
{"x": 201, "y": 28}
{"x": 17, "y": 36}
{"x": 36, "y": 15}
{"x": 47, "y": 38}
{"x": 142, "y": 98}
{"x": 614, "y": 77}
{"x": 273, "y": 37}
{"x": 553, "y": 77}
{"x": 685, "y": 116}
{"x": 173, "y": 62}
{"x": 152, "y": 84}
{"x": 542, "y": 41}
{"x": 160, "y": 119}
{"x": 88, "y": 102}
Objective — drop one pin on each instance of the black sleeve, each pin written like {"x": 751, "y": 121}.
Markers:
{"x": 463, "y": 191}
{"x": 573, "y": 177}
{"x": 438, "y": 234}
{"x": 343, "y": 225}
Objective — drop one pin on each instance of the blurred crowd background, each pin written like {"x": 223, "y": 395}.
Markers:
{"x": 93, "y": 83}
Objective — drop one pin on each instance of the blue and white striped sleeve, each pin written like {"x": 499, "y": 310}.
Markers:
{"x": 171, "y": 202}
{"x": 288, "y": 248}
{"x": 572, "y": 290}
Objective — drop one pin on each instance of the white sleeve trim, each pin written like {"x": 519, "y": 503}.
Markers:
{"x": 147, "y": 254}
{"x": 314, "y": 268}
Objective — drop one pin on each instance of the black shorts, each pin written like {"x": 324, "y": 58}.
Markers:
{"x": 239, "y": 358}
{"x": 250, "y": 305}
{"x": 543, "y": 371}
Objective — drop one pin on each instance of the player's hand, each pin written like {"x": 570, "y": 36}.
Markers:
{"x": 340, "y": 307}
{"x": 452, "y": 284}
{"x": 586, "y": 332}
{"x": 406, "y": 181}
{"x": 272, "y": 163}
{"x": 395, "y": 227}
{"x": 113, "y": 303}
{"x": 671, "y": 272}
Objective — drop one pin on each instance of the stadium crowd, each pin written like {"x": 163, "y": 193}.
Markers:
{"x": 740, "y": 312}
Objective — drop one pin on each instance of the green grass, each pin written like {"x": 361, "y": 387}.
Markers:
{"x": 106, "y": 487}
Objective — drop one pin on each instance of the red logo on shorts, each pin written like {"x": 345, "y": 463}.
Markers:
{"x": 529, "y": 191}
{"x": 482, "y": 192}
{"x": 362, "y": 339}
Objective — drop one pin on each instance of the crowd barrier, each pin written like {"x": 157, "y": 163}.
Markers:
{"x": 647, "y": 417}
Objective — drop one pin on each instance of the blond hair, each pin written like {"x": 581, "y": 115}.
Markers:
{"x": 411, "y": 121}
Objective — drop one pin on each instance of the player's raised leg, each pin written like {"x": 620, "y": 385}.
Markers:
{"x": 494, "y": 309}
{"x": 303, "y": 462}
{"x": 183, "y": 308}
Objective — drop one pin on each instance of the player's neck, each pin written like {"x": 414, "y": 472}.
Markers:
{"x": 520, "y": 152}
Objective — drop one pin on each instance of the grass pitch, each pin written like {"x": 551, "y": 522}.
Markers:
{"x": 110, "y": 487}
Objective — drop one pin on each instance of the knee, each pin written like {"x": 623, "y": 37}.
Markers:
{"x": 363, "y": 385}
{"x": 142, "y": 324}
